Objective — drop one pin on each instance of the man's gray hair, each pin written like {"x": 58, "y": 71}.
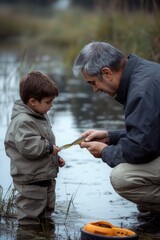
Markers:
{"x": 96, "y": 55}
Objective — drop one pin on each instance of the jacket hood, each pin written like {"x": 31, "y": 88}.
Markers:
{"x": 19, "y": 107}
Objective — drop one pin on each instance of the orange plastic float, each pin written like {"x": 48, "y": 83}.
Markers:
{"x": 104, "y": 230}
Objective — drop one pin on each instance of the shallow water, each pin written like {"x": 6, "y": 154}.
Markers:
{"x": 84, "y": 192}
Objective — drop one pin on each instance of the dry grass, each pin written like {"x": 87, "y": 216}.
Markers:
{"x": 130, "y": 31}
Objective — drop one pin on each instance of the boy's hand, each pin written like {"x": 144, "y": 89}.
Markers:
{"x": 61, "y": 162}
{"x": 55, "y": 150}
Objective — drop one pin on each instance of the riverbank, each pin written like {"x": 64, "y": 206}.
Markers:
{"x": 136, "y": 32}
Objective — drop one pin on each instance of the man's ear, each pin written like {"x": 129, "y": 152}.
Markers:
{"x": 107, "y": 72}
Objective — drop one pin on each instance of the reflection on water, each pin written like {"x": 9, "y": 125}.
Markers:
{"x": 84, "y": 192}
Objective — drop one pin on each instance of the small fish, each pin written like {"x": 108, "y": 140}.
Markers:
{"x": 77, "y": 141}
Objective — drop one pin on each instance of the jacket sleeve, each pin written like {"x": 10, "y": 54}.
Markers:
{"x": 141, "y": 142}
{"x": 115, "y": 135}
{"x": 112, "y": 155}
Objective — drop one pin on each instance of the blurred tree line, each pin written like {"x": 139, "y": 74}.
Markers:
{"x": 91, "y": 4}
{"x": 119, "y": 4}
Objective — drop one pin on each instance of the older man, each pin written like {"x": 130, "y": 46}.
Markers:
{"x": 133, "y": 152}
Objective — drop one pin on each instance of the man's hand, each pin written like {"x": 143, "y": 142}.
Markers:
{"x": 96, "y": 135}
{"x": 95, "y": 148}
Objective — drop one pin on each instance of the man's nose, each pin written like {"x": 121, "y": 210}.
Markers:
{"x": 95, "y": 89}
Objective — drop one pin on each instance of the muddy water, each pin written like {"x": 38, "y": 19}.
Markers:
{"x": 84, "y": 192}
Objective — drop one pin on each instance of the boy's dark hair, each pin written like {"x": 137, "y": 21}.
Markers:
{"x": 38, "y": 86}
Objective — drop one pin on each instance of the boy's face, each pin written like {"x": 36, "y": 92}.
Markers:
{"x": 41, "y": 107}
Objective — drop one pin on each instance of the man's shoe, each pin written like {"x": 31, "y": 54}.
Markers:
{"x": 146, "y": 216}
{"x": 152, "y": 226}
{"x": 141, "y": 209}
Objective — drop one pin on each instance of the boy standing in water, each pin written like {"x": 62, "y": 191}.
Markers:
{"x": 30, "y": 144}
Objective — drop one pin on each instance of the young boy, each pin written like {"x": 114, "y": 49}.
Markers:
{"x": 30, "y": 144}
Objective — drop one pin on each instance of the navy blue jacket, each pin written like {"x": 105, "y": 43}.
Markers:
{"x": 139, "y": 92}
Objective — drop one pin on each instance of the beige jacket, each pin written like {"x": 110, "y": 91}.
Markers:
{"x": 28, "y": 144}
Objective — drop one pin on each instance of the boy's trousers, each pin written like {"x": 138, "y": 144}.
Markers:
{"x": 139, "y": 183}
{"x": 34, "y": 202}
